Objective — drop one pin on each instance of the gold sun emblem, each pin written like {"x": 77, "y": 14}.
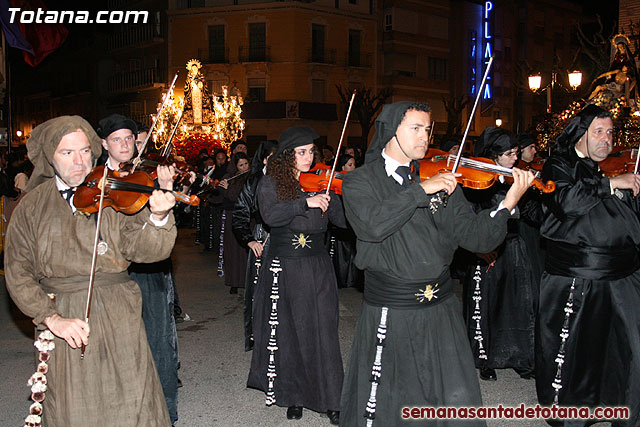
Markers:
{"x": 428, "y": 293}
{"x": 300, "y": 241}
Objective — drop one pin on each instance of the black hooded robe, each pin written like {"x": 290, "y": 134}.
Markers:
{"x": 588, "y": 332}
{"x": 410, "y": 346}
{"x": 295, "y": 307}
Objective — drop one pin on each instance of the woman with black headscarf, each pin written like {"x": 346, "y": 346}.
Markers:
{"x": 296, "y": 359}
{"x": 500, "y": 295}
{"x": 251, "y": 231}
{"x": 342, "y": 242}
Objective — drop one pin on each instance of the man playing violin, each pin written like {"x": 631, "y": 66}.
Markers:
{"x": 410, "y": 347}
{"x": 48, "y": 261}
{"x": 588, "y": 334}
{"x": 155, "y": 280}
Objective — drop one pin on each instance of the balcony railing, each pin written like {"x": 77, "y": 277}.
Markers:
{"x": 136, "y": 35}
{"x": 214, "y": 55}
{"x": 139, "y": 79}
{"x": 254, "y": 54}
{"x": 322, "y": 56}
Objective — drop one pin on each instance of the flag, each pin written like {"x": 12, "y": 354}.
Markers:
{"x": 44, "y": 38}
{"x": 12, "y": 32}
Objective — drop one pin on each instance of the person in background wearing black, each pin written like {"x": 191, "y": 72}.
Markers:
{"x": 251, "y": 231}
{"x": 296, "y": 359}
{"x": 341, "y": 242}
{"x": 410, "y": 346}
{"x": 588, "y": 335}
{"x": 235, "y": 253}
{"x": 500, "y": 291}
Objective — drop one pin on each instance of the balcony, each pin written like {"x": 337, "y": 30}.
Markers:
{"x": 322, "y": 56}
{"x": 214, "y": 55}
{"x": 254, "y": 54}
{"x": 137, "y": 36}
{"x": 136, "y": 80}
{"x": 362, "y": 60}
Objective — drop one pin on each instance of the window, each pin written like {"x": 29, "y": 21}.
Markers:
{"x": 257, "y": 90}
{"x": 317, "y": 43}
{"x": 257, "y": 42}
{"x": 437, "y": 69}
{"x": 216, "y": 44}
{"x": 388, "y": 22}
{"x": 257, "y": 94}
{"x": 354, "y": 48}
{"x": 318, "y": 90}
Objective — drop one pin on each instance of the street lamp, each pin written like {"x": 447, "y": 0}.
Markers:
{"x": 498, "y": 122}
{"x": 535, "y": 83}
{"x": 19, "y": 133}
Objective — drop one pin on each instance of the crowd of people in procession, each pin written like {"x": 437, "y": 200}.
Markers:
{"x": 550, "y": 282}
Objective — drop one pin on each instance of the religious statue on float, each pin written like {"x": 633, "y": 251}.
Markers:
{"x": 619, "y": 85}
{"x": 197, "y": 101}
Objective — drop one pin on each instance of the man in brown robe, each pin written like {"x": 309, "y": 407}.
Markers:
{"x": 49, "y": 248}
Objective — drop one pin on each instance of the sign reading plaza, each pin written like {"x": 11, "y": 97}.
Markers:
{"x": 41, "y": 16}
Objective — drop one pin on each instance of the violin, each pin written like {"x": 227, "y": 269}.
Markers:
{"x": 320, "y": 166}
{"x": 214, "y": 183}
{"x": 317, "y": 181}
{"x": 126, "y": 194}
{"x": 153, "y": 160}
{"x": 535, "y": 165}
{"x": 478, "y": 173}
{"x": 619, "y": 163}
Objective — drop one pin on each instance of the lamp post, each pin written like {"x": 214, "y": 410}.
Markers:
{"x": 535, "y": 83}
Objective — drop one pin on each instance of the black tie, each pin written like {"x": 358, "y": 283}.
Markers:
{"x": 66, "y": 194}
{"x": 405, "y": 173}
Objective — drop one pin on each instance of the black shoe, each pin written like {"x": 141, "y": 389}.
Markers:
{"x": 294, "y": 412}
{"x": 233, "y": 290}
{"x": 488, "y": 374}
{"x": 334, "y": 417}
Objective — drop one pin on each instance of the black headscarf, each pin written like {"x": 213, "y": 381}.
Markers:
{"x": 577, "y": 127}
{"x": 386, "y": 125}
{"x": 449, "y": 144}
{"x": 525, "y": 140}
{"x": 494, "y": 141}
{"x": 264, "y": 149}
{"x": 294, "y": 137}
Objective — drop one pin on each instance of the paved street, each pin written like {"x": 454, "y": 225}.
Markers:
{"x": 214, "y": 364}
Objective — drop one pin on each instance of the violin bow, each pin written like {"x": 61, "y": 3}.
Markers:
{"x": 473, "y": 113}
{"x": 635, "y": 170}
{"x": 155, "y": 121}
{"x": 167, "y": 146}
{"x": 94, "y": 257}
{"x": 344, "y": 128}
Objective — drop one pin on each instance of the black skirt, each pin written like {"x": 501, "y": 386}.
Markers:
{"x": 600, "y": 324}
{"x": 425, "y": 362}
{"x": 306, "y": 368}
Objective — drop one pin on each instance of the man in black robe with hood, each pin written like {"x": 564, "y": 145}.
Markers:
{"x": 410, "y": 346}
{"x": 588, "y": 335}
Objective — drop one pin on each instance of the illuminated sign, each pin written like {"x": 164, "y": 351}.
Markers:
{"x": 473, "y": 40}
{"x": 487, "y": 45}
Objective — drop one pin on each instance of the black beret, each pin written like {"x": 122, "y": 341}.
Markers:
{"x": 115, "y": 122}
{"x": 294, "y": 137}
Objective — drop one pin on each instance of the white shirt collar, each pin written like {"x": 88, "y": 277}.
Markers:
{"x": 390, "y": 166}
{"x": 61, "y": 187}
